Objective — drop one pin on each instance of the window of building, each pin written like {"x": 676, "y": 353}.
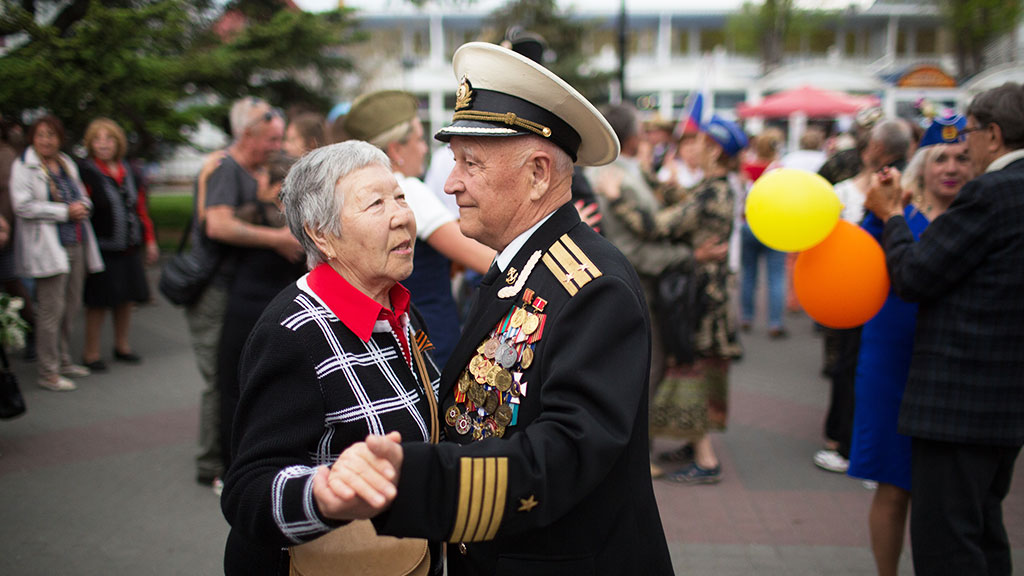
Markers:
{"x": 710, "y": 38}
{"x": 849, "y": 43}
{"x": 680, "y": 41}
{"x": 821, "y": 39}
{"x": 901, "y": 41}
{"x": 927, "y": 41}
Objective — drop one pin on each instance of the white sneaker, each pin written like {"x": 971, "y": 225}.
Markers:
{"x": 56, "y": 383}
{"x": 831, "y": 460}
{"x": 74, "y": 370}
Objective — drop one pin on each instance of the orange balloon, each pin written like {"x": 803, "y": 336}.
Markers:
{"x": 842, "y": 282}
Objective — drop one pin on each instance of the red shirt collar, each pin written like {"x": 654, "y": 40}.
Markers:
{"x": 357, "y": 311}
{"x": 116, "y": 176}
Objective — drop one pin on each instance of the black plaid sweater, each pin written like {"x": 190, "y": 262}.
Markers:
{"x": 966, "y": 379}
{"x": 309, "y": 389}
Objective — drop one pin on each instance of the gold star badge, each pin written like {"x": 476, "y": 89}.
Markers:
{"x": 527, "y": 504}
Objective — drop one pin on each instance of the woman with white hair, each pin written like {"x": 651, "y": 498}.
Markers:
{"x": 337, "y": 355}
{"x": 388, "y": 120}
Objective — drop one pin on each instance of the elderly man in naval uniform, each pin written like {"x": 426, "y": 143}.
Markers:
{"x": 544, "y": 464}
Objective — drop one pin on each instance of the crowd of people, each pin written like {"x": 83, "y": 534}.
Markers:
{"x": 81, "y": 234}
{"x": 513, "y": 324}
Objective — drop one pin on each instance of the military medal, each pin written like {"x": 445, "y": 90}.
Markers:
{"x": 503, "y": 415}
{"x": 506, "y": 355}
{"x": 526, "y": 358}
{"x": 518, "y": 317}
{"x": 502, "y": 380}
{"x": 491, "y": 347}
{"x": 452, "y": 416}
{"x": 463, "y": 424}
{"x": 531, "y": 323}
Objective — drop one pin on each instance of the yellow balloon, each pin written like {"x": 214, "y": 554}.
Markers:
{"x": 792, "y": 210}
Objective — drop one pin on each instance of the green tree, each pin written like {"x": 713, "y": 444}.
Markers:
{"x": 157, "y": 67}
{"x": 769, "y": 28}
{"x": 564, "y": 36}
{"x": 975, "y": 24}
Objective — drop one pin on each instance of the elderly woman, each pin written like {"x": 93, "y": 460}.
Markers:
{"x": 125, "y": 234}
{"x": 388, "y": 120}
{"x": 938, "y": 170}
{"x": 54, "y": 244}
{"x": 336, "y": 355}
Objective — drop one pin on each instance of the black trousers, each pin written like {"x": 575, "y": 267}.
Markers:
{"x": 956, "y": 517}
{"x": 843, "y": 373}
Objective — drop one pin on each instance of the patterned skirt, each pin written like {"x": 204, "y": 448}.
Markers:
{"x": 692, "y": 400}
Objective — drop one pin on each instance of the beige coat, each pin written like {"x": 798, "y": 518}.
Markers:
{"x": 38, "y": 252}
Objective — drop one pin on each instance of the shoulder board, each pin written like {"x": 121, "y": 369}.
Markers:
{"x": 570, "y": 265}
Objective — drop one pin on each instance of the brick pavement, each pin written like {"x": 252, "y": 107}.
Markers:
{"x": 100, "y": 480}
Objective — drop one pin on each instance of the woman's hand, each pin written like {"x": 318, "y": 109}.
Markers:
{"x": 711, "y": 250}
{"x": 361, "y": 483}
{"x": 609, "y": 182}
{"x": 885, "y": 197}
{"x": 152, "y": 253}
{"x": 589, "y": 214}
{"x": 78, "y": 211}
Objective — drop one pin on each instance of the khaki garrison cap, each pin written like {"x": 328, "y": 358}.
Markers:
{"x": 502, "y": 93}
{"x": 375, "y": 113}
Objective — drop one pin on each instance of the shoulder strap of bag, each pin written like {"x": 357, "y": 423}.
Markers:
{"x": 431, "y": 399}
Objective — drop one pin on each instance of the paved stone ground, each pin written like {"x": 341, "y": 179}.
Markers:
{"x": 100, "y": 480}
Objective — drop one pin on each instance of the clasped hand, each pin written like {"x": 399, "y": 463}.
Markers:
{"x": 362, "y": 481}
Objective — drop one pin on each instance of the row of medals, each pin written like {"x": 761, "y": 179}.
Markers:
{"x": 488, "y": 385}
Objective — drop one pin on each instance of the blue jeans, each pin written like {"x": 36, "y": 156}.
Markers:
{"x": 751, "y": 250}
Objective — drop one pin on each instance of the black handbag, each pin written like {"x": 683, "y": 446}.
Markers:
{"x": 679, "y": 304}
{"x": 12, "y": 403}
{"x": 184, "y": 277}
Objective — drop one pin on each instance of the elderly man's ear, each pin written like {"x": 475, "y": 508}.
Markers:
{"x": 540, "y": 165}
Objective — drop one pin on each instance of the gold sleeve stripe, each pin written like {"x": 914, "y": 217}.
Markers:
{"x": 487, "y": 505}
{"x": 591, "y": 269}
{"x": 481, "y": 506}
{"x": 475, "y": 500}
{"x": 499, "y": 499}
{"x": 560, "y": 274}
{"x": 465, "y": 474}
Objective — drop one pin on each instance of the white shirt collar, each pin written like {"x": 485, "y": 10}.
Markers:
{"x": 505, "y": 257}
{"x": 1005, "y": 160}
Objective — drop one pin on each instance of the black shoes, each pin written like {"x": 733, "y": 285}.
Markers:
{"x": 127, "y": 357}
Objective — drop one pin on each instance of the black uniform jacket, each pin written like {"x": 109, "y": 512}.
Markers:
{"x": 564, "y": 486}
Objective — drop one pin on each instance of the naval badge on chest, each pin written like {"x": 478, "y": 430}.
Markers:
{"x": 491, "y": 388}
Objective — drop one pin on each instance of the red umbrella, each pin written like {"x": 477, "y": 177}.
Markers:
{"x": 812, "y": 102}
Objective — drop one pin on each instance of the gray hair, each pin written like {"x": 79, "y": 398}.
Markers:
{"x": 894, "y": 136}
{"x": 310, "y": 194}
{"x": 1004, "y": 107}
{"x": 245, "y": 112}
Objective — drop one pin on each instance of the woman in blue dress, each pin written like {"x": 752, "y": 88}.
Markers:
{"x": 879, "y": 453}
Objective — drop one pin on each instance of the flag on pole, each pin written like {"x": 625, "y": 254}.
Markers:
{"x": 698, "y": 108}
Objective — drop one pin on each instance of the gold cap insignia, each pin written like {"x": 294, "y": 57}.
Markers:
{"x": 949, "y": 133}
{"x": 464, "y": 95}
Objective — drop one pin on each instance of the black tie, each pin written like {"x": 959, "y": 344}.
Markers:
{"x": 492, "y": 274}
